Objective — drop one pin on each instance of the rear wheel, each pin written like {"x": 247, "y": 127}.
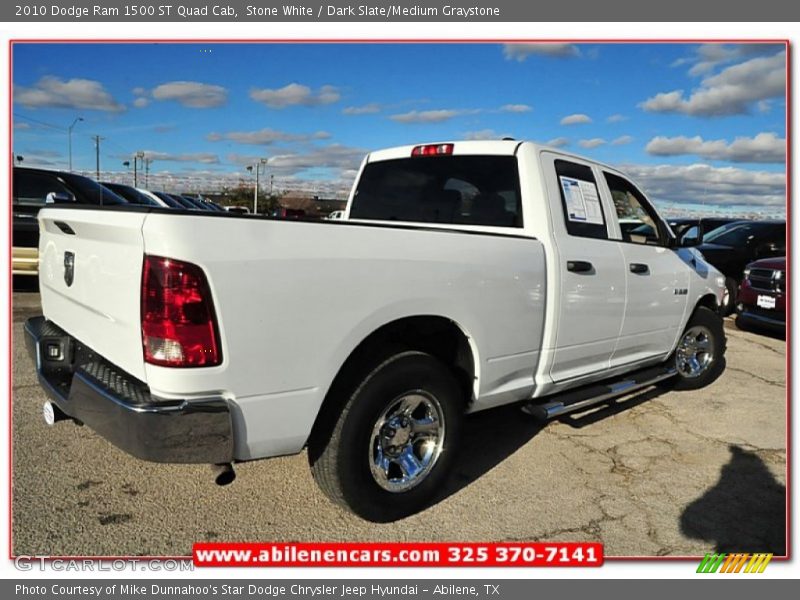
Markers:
{"x": 700, "y": 356}
{"x": 393, "y": 443}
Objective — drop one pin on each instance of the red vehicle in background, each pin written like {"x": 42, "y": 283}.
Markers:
{"x": 762, "y": 294}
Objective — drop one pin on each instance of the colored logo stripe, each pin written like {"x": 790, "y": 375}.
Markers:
{"x": 734, "y": 563}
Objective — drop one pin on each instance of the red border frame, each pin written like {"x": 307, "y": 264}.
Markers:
{"x": 784, "y": 41}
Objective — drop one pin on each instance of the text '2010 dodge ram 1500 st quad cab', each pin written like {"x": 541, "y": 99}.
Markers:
{"x": 463, "y": 276}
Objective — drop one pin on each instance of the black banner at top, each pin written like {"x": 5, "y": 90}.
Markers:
{"x": 399, "y": 11}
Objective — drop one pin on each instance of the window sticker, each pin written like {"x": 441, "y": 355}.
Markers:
{"x": 583, "y": 201}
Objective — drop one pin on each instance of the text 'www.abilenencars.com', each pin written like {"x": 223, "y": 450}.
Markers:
{"x": 573, "y": 554}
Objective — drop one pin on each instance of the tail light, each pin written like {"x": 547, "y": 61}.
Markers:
{"x": 432, "y": 150}
{"x": 179, "y": 326}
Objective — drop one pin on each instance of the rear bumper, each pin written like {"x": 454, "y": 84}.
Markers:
{"x": 120, "y": 408}
{"x": 24, "y": 261}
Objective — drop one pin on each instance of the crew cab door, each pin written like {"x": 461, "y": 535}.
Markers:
{"x": 657, "y": 279}
{"x": 590, "y": 287}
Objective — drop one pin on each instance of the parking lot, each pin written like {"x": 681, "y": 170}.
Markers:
{"x": 653, "y": 474}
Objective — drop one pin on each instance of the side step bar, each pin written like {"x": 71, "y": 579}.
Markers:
{"x": 590, "y": 395}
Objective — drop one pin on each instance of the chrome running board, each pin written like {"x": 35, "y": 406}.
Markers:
{"x": 590, "y": 395}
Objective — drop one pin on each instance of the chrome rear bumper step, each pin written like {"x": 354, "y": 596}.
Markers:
{"x": 590, "y": 395}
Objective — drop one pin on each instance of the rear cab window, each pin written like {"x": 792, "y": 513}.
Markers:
{"x": 458, "y": 190}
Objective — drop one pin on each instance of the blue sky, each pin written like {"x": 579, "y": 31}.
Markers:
{"x": 695, "y": 124}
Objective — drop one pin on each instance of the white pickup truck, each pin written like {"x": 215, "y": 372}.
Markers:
{"x": 463, "y": 276}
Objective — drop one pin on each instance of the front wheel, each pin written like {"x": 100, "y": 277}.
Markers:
{"x": 700, "y": 356}
{"x": 393, "y": 444}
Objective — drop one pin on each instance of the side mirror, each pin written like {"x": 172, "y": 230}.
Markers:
{"x": 59, "y": 198}
{"x": 690, "y": 241}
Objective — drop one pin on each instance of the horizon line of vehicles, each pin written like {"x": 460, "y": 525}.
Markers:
{"x": 735, "y": 247}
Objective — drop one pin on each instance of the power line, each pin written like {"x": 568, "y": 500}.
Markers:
{"x": 38, "y": 122}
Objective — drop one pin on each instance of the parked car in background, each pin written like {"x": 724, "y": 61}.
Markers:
{"x": 335, "y": 215}
{"x": 162, "y": 202}
{"x": 238, "y": 210}
{"x": 32, "y": 190}
{"x": 762, "y": 295}
{"x": 290, "y": 213}
{"x": 732, "y": 247}
{"x": 131, "y": 194}
{"x": 204, "y": 202}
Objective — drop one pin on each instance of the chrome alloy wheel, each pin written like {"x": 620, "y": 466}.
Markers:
{"x": 406, "y": 441}
{"x": 695, "y": 352}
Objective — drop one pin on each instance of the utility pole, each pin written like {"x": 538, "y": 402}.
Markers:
{"x": 136, "y": 158}
{"x": 147, "y": 162}
{"x": 69, "y": 129}
{"x": 97, "y": 139}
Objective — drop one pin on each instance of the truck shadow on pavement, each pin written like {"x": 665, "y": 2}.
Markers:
{"x": 744, "y": 512}
{"x": 491, "y": 436}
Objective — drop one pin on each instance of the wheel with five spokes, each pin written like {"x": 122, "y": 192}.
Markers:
{"x": 700, "y": 356}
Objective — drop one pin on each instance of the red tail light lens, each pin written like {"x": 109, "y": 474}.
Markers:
{"x": 432, "y": 150}
{"x": 179, "y": 326}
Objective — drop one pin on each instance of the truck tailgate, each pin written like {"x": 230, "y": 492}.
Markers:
{"x": 99, "y": 303}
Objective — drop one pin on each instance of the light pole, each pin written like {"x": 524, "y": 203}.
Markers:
{"x": 136, "y": 158}
{"x": 75, "y": 122}
{"x": 262, "y": 161}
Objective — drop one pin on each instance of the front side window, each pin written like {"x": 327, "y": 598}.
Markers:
{"x": 468, "y": 190}
{"x": 637, "y": 219}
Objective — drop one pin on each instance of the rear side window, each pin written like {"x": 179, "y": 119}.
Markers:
{"x": 583, "y": 212}
{"x": 469, "y": 190}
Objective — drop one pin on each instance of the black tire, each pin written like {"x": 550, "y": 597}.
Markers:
{"x": 341, "y": 461}
{"x": 729, "y": 305}
{"x": 710, "y": 324}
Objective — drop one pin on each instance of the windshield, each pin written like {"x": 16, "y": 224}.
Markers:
{"x": 470, "y": 190}
{"x": 88, "y": 190}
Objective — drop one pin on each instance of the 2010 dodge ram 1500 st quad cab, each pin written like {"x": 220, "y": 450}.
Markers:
{"x": 463, "y": 276}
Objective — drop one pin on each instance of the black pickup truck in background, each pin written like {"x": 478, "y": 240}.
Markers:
{"x": 32, "y": 190}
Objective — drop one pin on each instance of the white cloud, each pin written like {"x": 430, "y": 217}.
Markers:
{"x": 21, "y": 125}
{"x": 558, "y": 142}
{"x": 192, "y": 94}
{"x": 335, "y": 156}
{"x": 266, "y": 137}
{"x": 721, "y": 186}
{"x": 730, "y": 92}
{"x": 591, "y": 143}
{"x": 141, "y": 102}
{"x": 201, "y": 157}
{"x": 622, "y": 140}
{"x": 616, "y": 118}
{"x": 763, "y": 148}
{"x": 576, "y": 119}
{"x": 482, "y": 134}
{"x": 429, "y": 116}
{"x": 516, "y": 108}
{"x": 52, "y": 92}
{"x": 521, "y": 52}
{"x": 708, "y": 57}
{"x": 366, "y": 109}
{"x": 295, "y": 94}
